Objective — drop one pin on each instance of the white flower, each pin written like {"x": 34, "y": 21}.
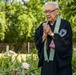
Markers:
{"x": 25, "y": 65}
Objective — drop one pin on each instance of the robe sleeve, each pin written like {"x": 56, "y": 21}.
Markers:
{"x": 38, "y": 37}
{"x": 63, "y": 46}
{"x": 39, "y": 44}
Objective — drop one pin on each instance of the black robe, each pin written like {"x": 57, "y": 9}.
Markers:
{"x": 61, "y": 65}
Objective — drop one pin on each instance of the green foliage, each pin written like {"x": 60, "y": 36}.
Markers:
{"x": 19, "y": 22}
{"x": 7, "y": 65}
{"x": 74, "y": 61}
{"x": 33, "y": 61}
{"x": 2, "y": 25}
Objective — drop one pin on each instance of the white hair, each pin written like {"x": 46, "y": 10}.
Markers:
{"x": 55, "y": 3}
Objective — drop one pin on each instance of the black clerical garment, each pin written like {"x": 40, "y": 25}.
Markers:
{"x": 61, "y": 65}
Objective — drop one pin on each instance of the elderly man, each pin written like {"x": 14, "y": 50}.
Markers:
{"x": 53, "y": 40}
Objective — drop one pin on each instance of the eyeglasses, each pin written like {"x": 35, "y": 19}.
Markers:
{"x": 49, "y": 11}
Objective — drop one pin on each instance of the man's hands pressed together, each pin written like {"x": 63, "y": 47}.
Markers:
{"x": 46, "y": 31}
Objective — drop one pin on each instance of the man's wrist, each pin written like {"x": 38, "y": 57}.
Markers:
{"x": 52, "y": 34}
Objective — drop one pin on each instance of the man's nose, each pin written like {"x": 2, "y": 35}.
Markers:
{"x": 47, "y": 13}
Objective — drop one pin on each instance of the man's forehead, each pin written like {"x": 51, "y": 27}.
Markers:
{"x": 49, "y": 6}
{"x": 52, "y": 4}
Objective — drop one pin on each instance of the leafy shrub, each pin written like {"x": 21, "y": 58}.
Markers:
{"x": 33, "y": 60}
{"x": 74, "y": 62}
{"x": 7, "y": 65}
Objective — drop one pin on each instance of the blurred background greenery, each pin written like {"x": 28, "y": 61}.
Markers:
{"x": 20, "y": 18}
{"x": 18, "y": 22}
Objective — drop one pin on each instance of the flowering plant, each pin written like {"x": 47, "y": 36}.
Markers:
{"x": 22, "y": 70}
{"x": 25, "y": 65}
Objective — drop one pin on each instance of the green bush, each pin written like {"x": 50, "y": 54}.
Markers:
{"x": 7, "y": 65}
{"x": 74, "y": 62}
{"x": 33, "y": 60}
